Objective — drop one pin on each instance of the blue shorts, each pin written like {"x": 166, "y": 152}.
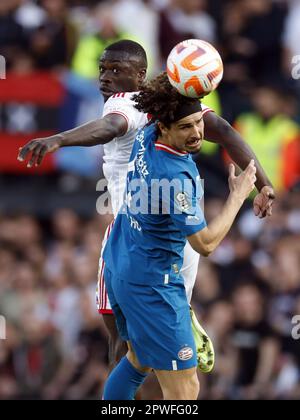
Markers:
{"x": 155, "y": 319}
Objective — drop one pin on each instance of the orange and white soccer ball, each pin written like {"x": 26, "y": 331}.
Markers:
{"x": 194, "y": 68}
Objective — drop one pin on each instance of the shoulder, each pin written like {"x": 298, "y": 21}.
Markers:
{"x": 122, "y": 97}
{"x": 178, "y": 169}
{"x": 206, "y": 109}
{"x": 123, "y": 104}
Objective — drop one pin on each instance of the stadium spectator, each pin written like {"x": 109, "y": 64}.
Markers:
{"x": 53, "y": 43}
{"x": 183, "y": 19}
{"x": 256, "y": 345}
{"x": 104, "y": 32}
{"x": 272, "y": 134}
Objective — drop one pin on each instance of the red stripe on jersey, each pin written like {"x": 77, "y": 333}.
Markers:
{"x": 169, "y": 149}
{"x": 105, "y": 311}
{"x": 102, "y": 285}
{"x": 104, "y": 293}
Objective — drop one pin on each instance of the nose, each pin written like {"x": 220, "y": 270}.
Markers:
{"x": 104, "y": 77}
{"x": 196, "y": 132}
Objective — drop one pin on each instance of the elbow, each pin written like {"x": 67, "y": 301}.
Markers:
{"x": 206, "y": 250}
{"x": 204, "y": 253}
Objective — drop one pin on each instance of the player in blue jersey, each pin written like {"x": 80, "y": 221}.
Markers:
{"x": 144, "y": 252}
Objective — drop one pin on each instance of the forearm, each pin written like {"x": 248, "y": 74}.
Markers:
{"x": 218, "y": 228}
{"x": 241, "y": 153}
{"x": 218, "y": 130}
{"x": 206, "y": 241}
{"x": 89, "y": 134}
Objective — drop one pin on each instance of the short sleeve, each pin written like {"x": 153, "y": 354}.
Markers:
{"x": 184, "y": 204}
{"x": 206, "y": 109}
{"x": 122, "y": 104}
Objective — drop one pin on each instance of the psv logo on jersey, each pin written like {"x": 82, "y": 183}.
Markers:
{"x": 186, "y": 353}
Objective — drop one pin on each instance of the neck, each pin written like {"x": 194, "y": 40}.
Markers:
{"x": 165, "y": 140}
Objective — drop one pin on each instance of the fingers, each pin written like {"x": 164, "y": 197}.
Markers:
{"x": 25, "y": 150}
{"x": 251, "y": 168}
{"x": 35, "y": 155}
{"x": 37, "y": 150}
{"x": 256, "y": 209}
{"x": 269, "y": 211}
{"x": 231, "y": 171}
{"x": 266, "y": 210}
{"x": 41, "y": 155}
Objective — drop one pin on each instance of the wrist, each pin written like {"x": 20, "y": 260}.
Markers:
{"x": 60, "y": 140}
{"x": 236, "y": 198}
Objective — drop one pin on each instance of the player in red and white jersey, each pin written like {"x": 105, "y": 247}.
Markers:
{"x": 123, "y": 69}
{"x": 117, "y": 152}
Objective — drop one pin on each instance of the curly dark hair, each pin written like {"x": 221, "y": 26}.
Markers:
{"x": 160, "y": 99}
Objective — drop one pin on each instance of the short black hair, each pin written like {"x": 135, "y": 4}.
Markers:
{"x": 131, "y": 47}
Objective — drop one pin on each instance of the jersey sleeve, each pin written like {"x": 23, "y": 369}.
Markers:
{"x": 206, "y": 109}
{"x": 184, "y": 203}
{"x": 122, "y": 104}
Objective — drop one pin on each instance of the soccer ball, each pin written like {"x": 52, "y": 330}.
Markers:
{"x": 194, "y": 68}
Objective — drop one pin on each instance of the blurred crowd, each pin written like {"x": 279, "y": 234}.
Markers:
{"x": 248, "y": 291}
{"x": 258, "y": 41}
{"x": 246, "y": 295}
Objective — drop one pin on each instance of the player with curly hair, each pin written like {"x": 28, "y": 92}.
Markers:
{"x": 144, "y": 253}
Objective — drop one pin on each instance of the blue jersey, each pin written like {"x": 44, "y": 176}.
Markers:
{"x": 161, "y": 208}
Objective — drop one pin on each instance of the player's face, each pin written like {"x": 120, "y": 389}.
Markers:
{"x": 118, "y": 72}
{"x": 187, "y": 133}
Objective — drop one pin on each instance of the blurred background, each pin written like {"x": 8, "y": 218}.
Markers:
{"x": 246, "y": 293}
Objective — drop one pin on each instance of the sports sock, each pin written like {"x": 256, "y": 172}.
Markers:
{"x": 123, "y": 381}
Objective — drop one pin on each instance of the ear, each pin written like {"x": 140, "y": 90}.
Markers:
{"x": 142, "y": 75}
{"x": 162, "y": 127}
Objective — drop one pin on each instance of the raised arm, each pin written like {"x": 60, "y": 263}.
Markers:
{"x": 99, "y": 131}
{"x": 206, "y": 240}
{"x": 218, "y": 130}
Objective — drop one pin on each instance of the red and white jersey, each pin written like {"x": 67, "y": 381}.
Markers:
{"x": 117, "y": 152}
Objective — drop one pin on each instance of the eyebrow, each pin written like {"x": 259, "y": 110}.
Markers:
{"x": 189, "y": 123}
{"x": 110, "y": 61}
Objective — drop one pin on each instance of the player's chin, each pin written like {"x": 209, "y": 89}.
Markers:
{"x": 193, "y": 147}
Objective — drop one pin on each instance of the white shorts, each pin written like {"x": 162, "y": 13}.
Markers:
{"x": 188, "y": 271}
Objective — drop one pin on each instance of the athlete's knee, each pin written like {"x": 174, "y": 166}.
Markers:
{"x": 131, "y": 356}
{"x": 183, "y": 389}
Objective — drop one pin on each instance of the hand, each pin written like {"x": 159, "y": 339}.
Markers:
{"x": 38, "y": 148}
{"x": 243, "y": 184}
{"x": 263, "y": 202}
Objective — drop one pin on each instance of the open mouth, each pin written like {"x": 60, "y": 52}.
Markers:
{"x": 194, "y": 143}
